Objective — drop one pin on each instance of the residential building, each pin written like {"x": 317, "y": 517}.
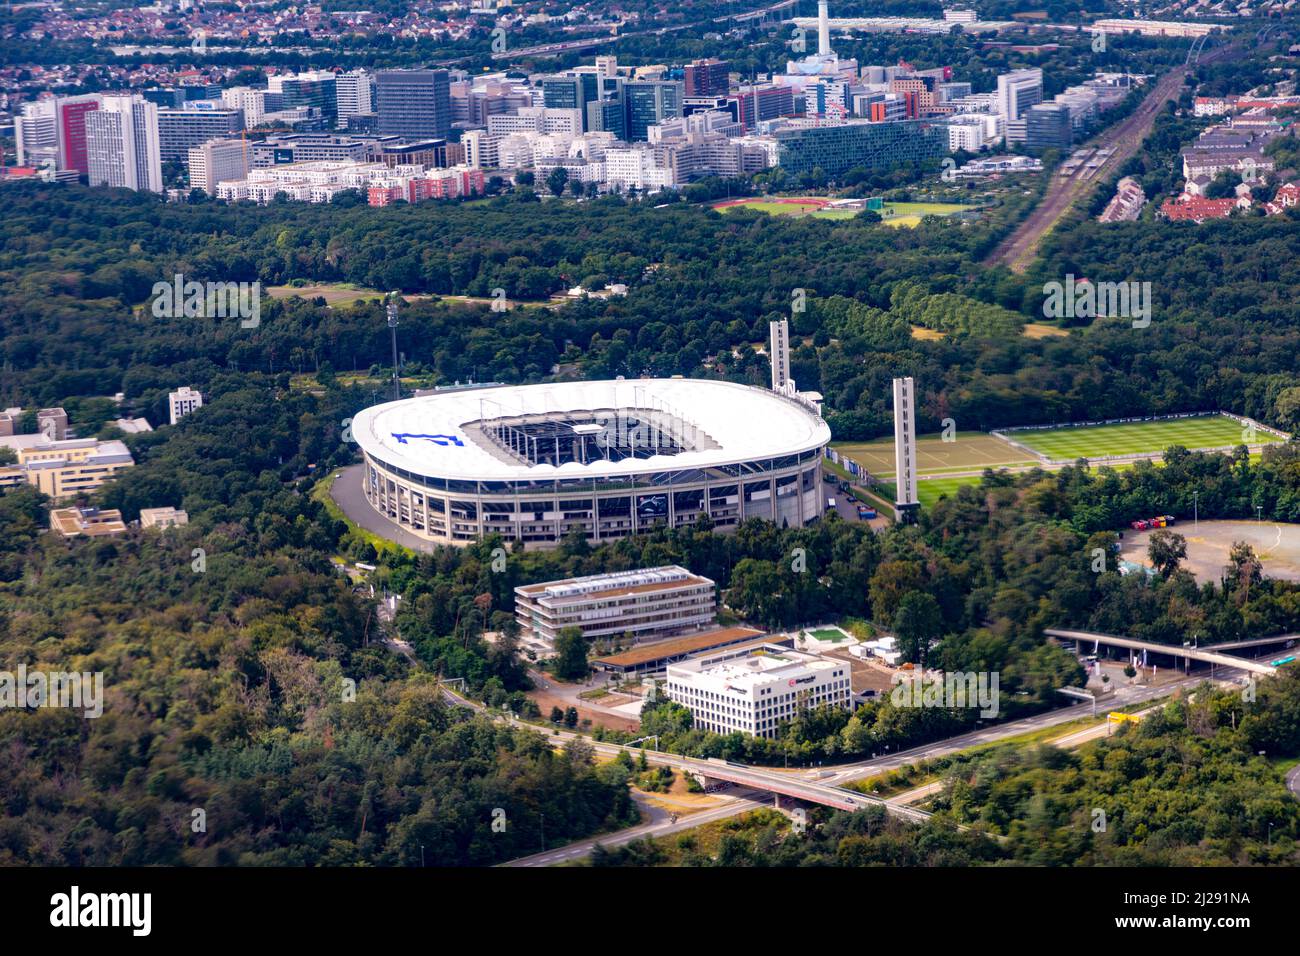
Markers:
{"x": 87, "y": 522}
{"x": 122, "y": 146}
{"x": 163, "y": 517}
{"x": 837, "y": 148}
{"x": 217, "y": 161}
{"x": 623, "y": 607}
{"x": 181, "y": 402}
{"x": 414, "y": 103}
{"x": 755, "y": 694}
{"x": 1126, "y": 205}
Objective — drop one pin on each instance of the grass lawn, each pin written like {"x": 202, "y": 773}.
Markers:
{"x": 971, "y": 451}
{"x": 321, "y": 492}
{"x": 1067, "y": 444}
{"x": 909, "y": 214}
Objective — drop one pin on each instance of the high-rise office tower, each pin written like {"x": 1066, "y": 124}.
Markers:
{"x": 194, "y": 125}
{"x": 353, "y": 92}
{"x": 414, "y": 103}
{"x": 648, "y": 103}
{"x": 36, "y": 134}
{"x": 122, "y": 144}
{"x": 1018, "y": 91}
{"x": 318, "y": 90}
{"x": 906, "y": 502}
{"x": 708, "y": 78}
{"x": 71, "y": 130}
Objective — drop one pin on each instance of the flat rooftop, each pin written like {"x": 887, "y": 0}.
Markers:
{"x": 679, "y": 646}
{"x": 617, "y": 584}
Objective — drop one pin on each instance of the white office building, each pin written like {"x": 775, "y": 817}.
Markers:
{"x": 183, "y": 401}
{"x": 757, "y": 693}
{"x": 219, "y": 161}
{"x": 122, "y": 144}
{"x": 642, "y": 605}
{"x": 354, "y": 94}
{"x": 974, "y": 131}
{"x": 1018, "y": 91}
{"x": 36, "y": 133}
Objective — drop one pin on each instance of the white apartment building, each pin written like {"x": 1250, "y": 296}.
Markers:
{"x": 251, "y": 101}
{"x": 354, "y": 94}
{"x": 755, "y": 694}
{"x": 183, "y": 401}
{"x": 218, "y": 161}
{"x": 536, "y": 119}
{"x": 1018, "y": 91}
{"x": 163, "y": 517}
{"x": 634, "y": 168}
{"x": 646, "y": 605}
{"x": 316, "y": 181}
{"x": 974, "y": 131}
{"x": 122, "y": 146}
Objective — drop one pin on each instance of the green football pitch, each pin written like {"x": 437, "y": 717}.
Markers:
{"x": 1131, "y": 438}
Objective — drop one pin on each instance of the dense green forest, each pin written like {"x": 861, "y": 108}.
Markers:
{"x": 231, "y": 647}
{"x": 1188, "y": 786}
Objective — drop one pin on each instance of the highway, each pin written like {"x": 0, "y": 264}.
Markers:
{"x": 1205, "y": 656}
{"x": 827, "y": 786}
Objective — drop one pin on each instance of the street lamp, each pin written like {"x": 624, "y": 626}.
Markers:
{"x": 1196, "y": 511}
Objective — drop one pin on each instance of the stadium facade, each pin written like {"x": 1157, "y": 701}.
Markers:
{"x": 610, "y": 458}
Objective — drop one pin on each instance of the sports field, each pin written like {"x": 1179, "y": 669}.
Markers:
{"x": 970, "y": 451}
{"x": 1100, "y": 441}
{"x": 894, "y": 213}
{"x": 909, "y": 214}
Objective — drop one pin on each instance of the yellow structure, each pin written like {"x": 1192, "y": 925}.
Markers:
{"x": 63, "y": 469}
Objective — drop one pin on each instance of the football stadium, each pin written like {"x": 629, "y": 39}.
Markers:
{"x": 610, "y": 459}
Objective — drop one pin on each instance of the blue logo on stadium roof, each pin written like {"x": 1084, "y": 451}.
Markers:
{"x": 443, "y": 440}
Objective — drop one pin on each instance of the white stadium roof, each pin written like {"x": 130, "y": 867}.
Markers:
{"x": 427, "y": 435}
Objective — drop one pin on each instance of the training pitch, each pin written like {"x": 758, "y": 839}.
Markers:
{"x": 1133, "y": 438}
{"x": 970, "y": 451}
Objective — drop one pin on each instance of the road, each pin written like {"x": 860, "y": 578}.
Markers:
{"x": 824, "y": 780}
{"x": 1019, "y": 249}
{"x": 660, "y": 824}
{"x": 1293, "y": 781}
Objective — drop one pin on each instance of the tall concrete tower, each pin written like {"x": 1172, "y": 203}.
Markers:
{"x": 823, "y": 28}
{"x": 779, "y": 353}
{"x": 906, "y": 502}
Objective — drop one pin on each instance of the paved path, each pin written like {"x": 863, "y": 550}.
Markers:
{"x": 348, "y": 495}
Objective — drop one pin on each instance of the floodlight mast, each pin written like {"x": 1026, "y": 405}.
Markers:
{"x": 391, "y": 309}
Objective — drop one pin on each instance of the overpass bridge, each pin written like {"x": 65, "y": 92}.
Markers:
{"x": 787, "y": 785}
{"x": 1203, "y": 655}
